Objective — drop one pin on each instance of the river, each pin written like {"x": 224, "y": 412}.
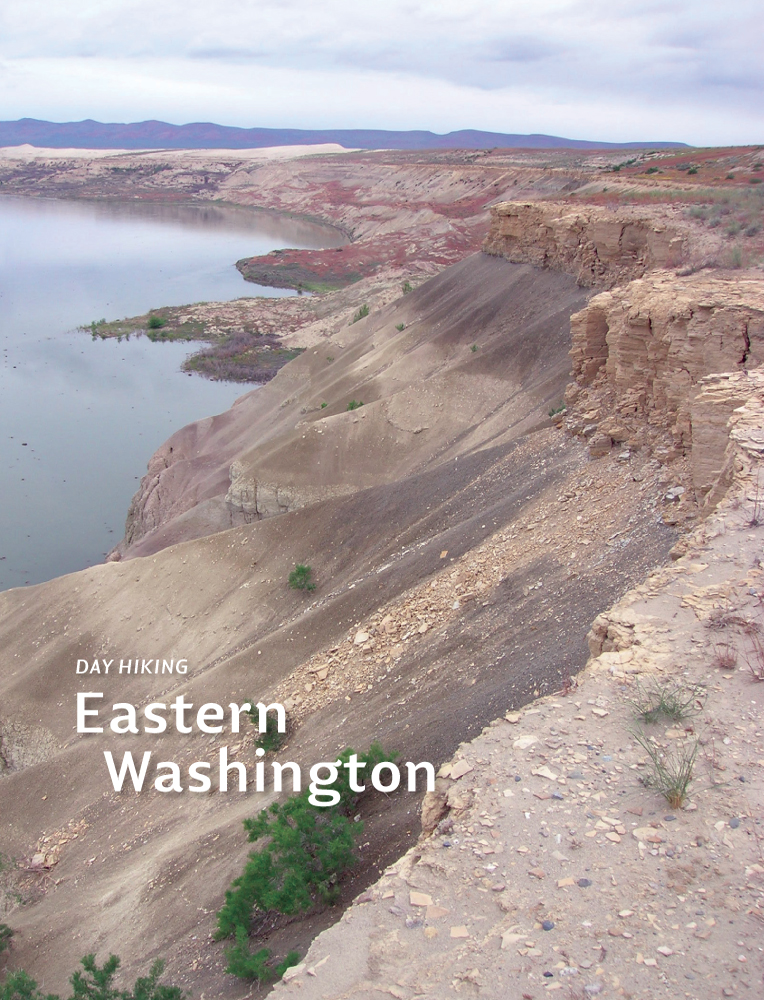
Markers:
{"x": 79, "y": 418}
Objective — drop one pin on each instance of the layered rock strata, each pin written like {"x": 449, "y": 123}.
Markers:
{"x": 600, "y": 246}
{"x": 643, "y": 359}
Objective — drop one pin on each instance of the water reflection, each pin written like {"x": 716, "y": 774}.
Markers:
{"x": 79, "y": 419}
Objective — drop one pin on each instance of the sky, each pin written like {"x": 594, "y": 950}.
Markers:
{"x": 589, "y": 69}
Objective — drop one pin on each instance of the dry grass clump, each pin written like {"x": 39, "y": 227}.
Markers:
{"x": 669, "y": 700}
{"x": 669, "y": 771}
{"x": 754, "y": 655}
{"x": 725, "y": 656}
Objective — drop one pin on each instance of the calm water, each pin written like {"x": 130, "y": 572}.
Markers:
{"x": 79, "y": 419}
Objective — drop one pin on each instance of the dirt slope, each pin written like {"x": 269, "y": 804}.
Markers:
{"x": 481, "y": 358}
{"x": 147, "y": 872}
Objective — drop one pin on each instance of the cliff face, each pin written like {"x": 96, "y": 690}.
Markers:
{"x": 599, "y": 246}
{"x": 643, "y": 356}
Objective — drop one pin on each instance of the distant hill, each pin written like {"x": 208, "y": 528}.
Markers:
{"x": 205, "y": 135}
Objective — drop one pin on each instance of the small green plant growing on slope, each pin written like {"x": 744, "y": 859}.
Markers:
{"x": 557, "y": 409}
{"x": 271, "y": 739}
{"x": 474, "y": 348}
{"x": 400, "y": 327}
{"x": 156, "y": 323}
{"x": 407, "y": 287}
{"x": 306, "y": 851}
{"x": 669, "y": 701}
{"x": 361, "y": 314}
{"x": 255, "y": 965}
{"x": 669, "y": 773}
{"x": 5, "y": 937}
{"x": 355, "y": 404}
{"x": 94, "y": 983}
{"x": 300, "y": 578}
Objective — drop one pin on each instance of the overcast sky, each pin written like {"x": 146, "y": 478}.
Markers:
{"x": 615, "y": 70}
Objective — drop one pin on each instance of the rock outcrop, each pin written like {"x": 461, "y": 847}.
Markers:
{"x": 600, "y": 246}
{"x": 643, "y": 355}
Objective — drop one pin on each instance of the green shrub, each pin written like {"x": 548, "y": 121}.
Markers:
{"x": 361, "y": 314}
{"x": 156, "y": 323}
{"x": 474, "y": 348}
{"x": 306, "y": 851}
{"x": 355, "y": 404}
{"x": 94, "y": 983}
{"x": 407, "y": 287}
{"x": 248, "y": 965}
{"x": 5, "y": 937}
{"x": 271, "y": 739}
{"x": 400, "y": 327}
{"x": 692, "y": 170}
{"x": 300, "y": 578}
{"x": 324, "y": 405}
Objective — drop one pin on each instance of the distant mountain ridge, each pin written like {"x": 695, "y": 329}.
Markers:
{"x": 91, "y": 134}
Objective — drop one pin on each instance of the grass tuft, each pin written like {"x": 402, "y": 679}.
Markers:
{"x": 669, "y": 772}
{"x": 668, "y": 701}
{"x": 361, "y": 314}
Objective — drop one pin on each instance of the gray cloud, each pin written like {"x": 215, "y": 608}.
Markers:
{"x": 693, "y": 56}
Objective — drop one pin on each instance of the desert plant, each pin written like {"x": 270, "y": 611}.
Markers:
{"x": 407, "y": 287}
{"x": 400, "y": 327}
{"x": 306, "y": 850}
{"x": 5, "y": 937}
{"x": 669, "y": 773}
{"x": 557, "y": 409}
{"x": 361, "y": 314}
{"x": 271, "y": 739}
{"x": 245, "y": 964}
{"x": 324, "y": 406}
{"x": 754, "y": 656}
{"x": 757, "y": 505}
{"x": 725, "y": 656}
{"x": 474, "y": 348}
{"x": 355, "y": 404}
{"x": 94, "y": 983}
{"x": 300, "y": 578}
{"x": 156, "y": 322}
{"x": 670, "y": 701}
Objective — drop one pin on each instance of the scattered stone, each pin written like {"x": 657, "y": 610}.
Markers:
{"x": 419, "y": 898}
{"x": 460, "y": 769}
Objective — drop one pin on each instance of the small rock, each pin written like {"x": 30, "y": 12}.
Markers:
{"x": 524, "y": 742}
{"x": 293, "y": 972}
{"x": 460, "y": 769}
{"x": 664, "y": 950}
{"x": 584, "y": 883}
{"x": 547, "y": 925}
{"x": 734, "y": 823}
{"x": 419, "y": 898}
